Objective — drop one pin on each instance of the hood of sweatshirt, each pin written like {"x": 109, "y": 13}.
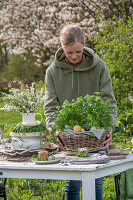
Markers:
{"x": 89, "y": 62}
{"x": 90, "y": 57}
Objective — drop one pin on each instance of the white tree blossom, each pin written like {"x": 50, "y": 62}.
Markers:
{"x": 34, "y": 25}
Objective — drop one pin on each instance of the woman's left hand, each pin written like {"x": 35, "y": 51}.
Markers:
{"x": 108, "y": 139}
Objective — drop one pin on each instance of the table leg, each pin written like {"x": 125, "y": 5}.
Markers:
{"x": 88, "y": 186}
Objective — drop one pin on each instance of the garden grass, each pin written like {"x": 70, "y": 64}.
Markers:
{"x": 9, "y": 119}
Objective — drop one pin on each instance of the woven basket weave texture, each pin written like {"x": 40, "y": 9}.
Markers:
{"x": 72, "y": 141}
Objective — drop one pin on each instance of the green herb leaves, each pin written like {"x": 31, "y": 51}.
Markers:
{"x": 91, "y": 111}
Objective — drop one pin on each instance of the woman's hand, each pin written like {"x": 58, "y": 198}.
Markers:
{"x": 59, "y": 141}
{"x": 108, "y": 139}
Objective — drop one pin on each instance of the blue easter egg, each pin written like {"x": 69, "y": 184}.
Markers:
{"x": 67, "y": 127}
{"x": 85, "y": 127}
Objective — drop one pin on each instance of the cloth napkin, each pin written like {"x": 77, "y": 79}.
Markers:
{"x": 126, "y": 185}
{"x": 93, "y": 132}
{"x": 97, "y": 132}
{"x": 95, "y": 158}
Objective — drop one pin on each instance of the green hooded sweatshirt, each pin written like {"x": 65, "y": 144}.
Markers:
{"x": 65, "y": 81}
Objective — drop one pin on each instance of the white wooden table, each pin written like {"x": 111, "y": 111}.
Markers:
{"x": 86, "y": 173}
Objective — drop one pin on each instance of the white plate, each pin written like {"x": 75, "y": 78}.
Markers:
{"x": 48, "y": 162}
{"x": 32, "y": 124}
{"x": 52, "y": 148}
{"x": 69, "y": 153}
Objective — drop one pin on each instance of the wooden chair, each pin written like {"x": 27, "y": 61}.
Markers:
{"x": 2, "y": 188}
{"x": 117, "y": 186}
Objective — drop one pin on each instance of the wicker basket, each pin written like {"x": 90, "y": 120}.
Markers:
{"x": 72, "y": 141}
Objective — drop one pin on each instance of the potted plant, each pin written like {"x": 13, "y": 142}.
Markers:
{"x": 25, "y": 100}
{"x": 26, "y": 136}
{"x": 90, "y": 111}
{"x": 85, "y": 117}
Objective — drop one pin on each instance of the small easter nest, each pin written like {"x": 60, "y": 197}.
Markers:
{"x": 18, "y": 155}
{"x": 75, "y": 140}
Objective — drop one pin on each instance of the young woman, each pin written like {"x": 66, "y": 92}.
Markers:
{"x": 76, "y": 71}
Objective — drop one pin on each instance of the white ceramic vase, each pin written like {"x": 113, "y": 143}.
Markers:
{"x": 27, "y": 140}
{"x": 27, "y": 117}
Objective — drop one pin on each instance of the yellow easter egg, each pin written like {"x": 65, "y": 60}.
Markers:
{"x": 77, "y": 128}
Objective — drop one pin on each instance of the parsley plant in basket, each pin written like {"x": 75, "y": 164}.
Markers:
{"x": 89, "y": 111}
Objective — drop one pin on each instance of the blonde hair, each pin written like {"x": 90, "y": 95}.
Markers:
{"x": 70, "y": 34}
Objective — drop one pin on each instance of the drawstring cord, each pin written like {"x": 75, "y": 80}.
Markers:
{"x": 78, "y": 83}
{"x": 72, "y": 78}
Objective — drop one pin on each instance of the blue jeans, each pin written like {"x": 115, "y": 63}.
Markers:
{"x": 72, "y": 188}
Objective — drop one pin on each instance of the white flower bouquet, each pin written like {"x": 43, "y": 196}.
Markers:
{"x": 25, "y": 99}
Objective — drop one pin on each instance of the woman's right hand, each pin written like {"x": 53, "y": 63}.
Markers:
{"x": 59, "y": 141}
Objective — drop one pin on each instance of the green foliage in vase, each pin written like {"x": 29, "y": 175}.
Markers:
{"x": 91, "y": 110}
{"x": 20, "y": 128}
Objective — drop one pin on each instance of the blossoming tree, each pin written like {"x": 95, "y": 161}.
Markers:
{"x": 34, "y": 25}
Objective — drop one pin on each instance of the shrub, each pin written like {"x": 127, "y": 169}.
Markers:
{"x": 114, "y": 46}
{"x": 126, "y": 119}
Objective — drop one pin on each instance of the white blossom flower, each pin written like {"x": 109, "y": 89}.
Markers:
{"x": 25, "y": 99}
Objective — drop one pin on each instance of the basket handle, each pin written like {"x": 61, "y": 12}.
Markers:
{"x": 60, "y": 141}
